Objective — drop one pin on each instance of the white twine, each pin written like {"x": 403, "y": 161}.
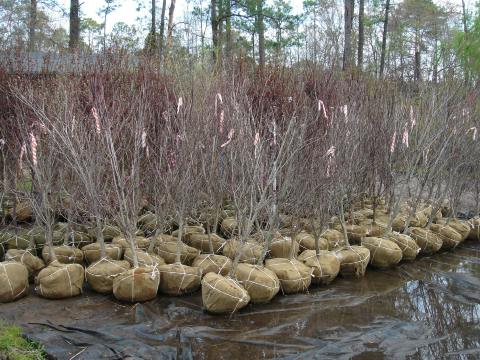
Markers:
{"x": 33, "y": 147}
{"x": 229, "y": 138}
{"x": 98, "y": 127}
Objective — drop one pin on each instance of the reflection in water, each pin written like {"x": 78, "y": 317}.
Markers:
{"x": 428, "y": 309}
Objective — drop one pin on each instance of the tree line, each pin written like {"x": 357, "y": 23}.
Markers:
{"x": 411, "y": 40}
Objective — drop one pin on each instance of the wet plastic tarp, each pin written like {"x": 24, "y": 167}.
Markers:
{"x": 428, "y": 309}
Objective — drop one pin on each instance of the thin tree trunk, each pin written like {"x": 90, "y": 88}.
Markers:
{"x": 384, "y": 39}
{"x": 74, "y": 37}
{"x": 228, "y": 32}
{"x": 215, "y": 37}
{"x": 171, "y": 11}
{"x": 32, "y": 25}
{"x": 465, "y": 31}
{"x": 347, "y": 48}
{"x": 261, "y": 35}
{"x": 162, "y": 29}
{"x": 361, "y": 33}
{"x": 418, "y": 61}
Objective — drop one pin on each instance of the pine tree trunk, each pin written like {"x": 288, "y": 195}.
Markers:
{"x": 347, "y": 48}
{"x": 384, "y": 39}
{"x": 74, "y": 37}
{"x": 32, "y": 25}
{"x": 261, "y": 35}
{"x": 171, "y": 11}
{"x": 162, "y": 30}
{"x": 215, "y": 37}
{"x": 361, "y": 34}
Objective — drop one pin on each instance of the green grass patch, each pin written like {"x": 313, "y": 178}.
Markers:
{"x": 13, "y": 346}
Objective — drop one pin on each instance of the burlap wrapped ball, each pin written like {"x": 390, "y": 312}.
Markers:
{"x": 229, "y": 226}
{"x": 33, "y": 263}
{"x": 461, "y": 226}
{"x": 409, "y": 247}
{"x": 334, "y": 237}
{"x": 223, "y": 295}
{"x": 189, "y": 229}
{"x": 60, "y": 281}
{"x": 148, "y": 222}
{"x": 428, "y": 241}
{"x": 201, "y": 242}
{"x": 100, "y": 274}
{"x": 383, "y": 253}
{"x": 294, "y": 276}
{"x": 325, "y": 265}
{"x": 261, "y": 283}
{"x": 168, "y": 251}
{"x": 144, "y": 258}
{"x": 140, "y": 242}
{"x": 250, "y": 253}
{"x": 355, "y": 233}
{"x": 217, "y": 264}
{"x": 79, "y": 239}
{"x": 474, "y": 233}
{"x": 449, "y": 236}
{"x": 178, "y": 279}
{"x": 353, "y": 260}
{"x": 64, "y": 254}
{"x": 92, "y": 252}
{"x": 281, "y": 247}
{"x": 137, "y": 285}
{"x": 306, "y": 241}
{"x": 13, "y": 281}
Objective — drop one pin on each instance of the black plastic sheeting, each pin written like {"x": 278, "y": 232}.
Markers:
{"x": 428, "y": 309}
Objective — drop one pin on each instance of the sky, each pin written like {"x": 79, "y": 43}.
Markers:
{"x": 127, "y": 11}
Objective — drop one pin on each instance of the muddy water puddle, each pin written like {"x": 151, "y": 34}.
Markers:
{"x": 428, "y": 309}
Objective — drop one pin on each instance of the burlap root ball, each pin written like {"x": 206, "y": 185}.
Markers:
{"x": 294, "y": 276}
{"x": 217, "y": 264}
{"x": 144, "y": 258}
{"x": 306, "y": 241}
{"x": 64, "y": 254}
{"x": 461, "y": 226}
{"x": 13, "y": 281}
{"x": 325, "y": 265}
{"x": 23, "y": 212}
{"x": 383, "y": 253}
{"x": 281, "y": 246}
{"x": 449, "y": 236}
{"x": 92, "y": 252}
{"x": 189, "y": 229}
{"x": 179, "y": 279}
{"x": 201, "y": 242}
{"x": 334, "y": 237}
{"x": 250, "y": 253}
{"x": 428, "y": 241}
{"x": 137, "y": 285}
{"x": 148, "y": 222}
{"x": 261, "y": 283}
{"x": 223, "y": 295}
{"x": 409, "y": 247}
{"x": 229, "y": 226}
{"x": 474, "y": 233}
{"x": 355, "y": 233}
{"x": 79, "y": 239}
{"x": 33, "y": 263}
{"x": 140, "y": 242}
{"x": 168, "y": 251}
{"x": 100, "y": 274}
{"x": 60, "y": 281}
{"x": 16, "y": 241}
{"x": 353, "y": 260}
